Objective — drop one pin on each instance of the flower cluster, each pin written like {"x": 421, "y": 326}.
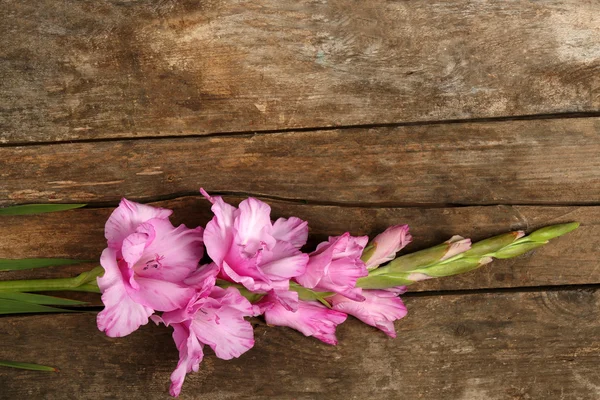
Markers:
{"x": 151, "y": 266}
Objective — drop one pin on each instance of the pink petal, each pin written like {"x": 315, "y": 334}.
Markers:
{"x": 319, "y": 261}
{"x": 458, "y": 245}
{"x": 203, "y": 279}
{"x": 336, "y": 266}
{"x": 284, "y": 261}
{"x": 125, "y": 219}
{"x": 311, "y": 318}
{"x": 387, "y": 244}
{"x": 231, "y": 297}
{"x": 380, "y": 309}
{"x": 253, "y": 226}
{"x": 354, "y": 246}
{"x": 121, "y": 315}
{"x": 221, "y": 325}
{"x": 161, "y": 295}
{"x": 134, "y": 246}
{"x": 173, "y": 254}
{"x": 218, "y": 235}
{"x": 287, "y": 298}
{"x": 244, "y": 270}
{"x": 292, "y": 230}
{"x": 112, "y": 274}
{"x": 190, "y": 356}
{"x": 342, "y": 276}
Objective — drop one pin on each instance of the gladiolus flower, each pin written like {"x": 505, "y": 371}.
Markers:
{"x": 250, "y": 249}
{"x": 145, "y": 265}
{"x": 216, "y": 320}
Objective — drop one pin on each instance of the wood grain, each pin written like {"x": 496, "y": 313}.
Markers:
{"x": 513, "y": 162}
{"x": 103, "y": 69}
{"x": 572, "y": 259}
{"x": 498, "y": 346}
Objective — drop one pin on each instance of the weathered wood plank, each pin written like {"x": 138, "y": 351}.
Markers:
{"x": 572, "y": 259}
{"x": 486, "y": 346}
{"x": 98, "y": 69}
{"x": 513, "y": 162}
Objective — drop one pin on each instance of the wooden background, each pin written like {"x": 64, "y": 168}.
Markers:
{"x": 456, "y": 117}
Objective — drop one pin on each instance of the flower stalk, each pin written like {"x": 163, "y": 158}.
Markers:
{"x": 402, "y": 271}
{"x": 430, "y": 263}
{"x": 84, "y": 282}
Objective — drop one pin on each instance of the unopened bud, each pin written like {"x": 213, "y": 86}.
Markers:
{"x": 424, "y": 258}
{"x": 518, "y": 249}
{"x": 384, "y": 246}
{"x": 551, "y": 232}
{"x": 493, "y": 244}
{"x": 456, "y": 267}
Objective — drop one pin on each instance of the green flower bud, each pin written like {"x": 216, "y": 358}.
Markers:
{"x": 551, "y": 232}
{"x": 493, "y": 244}
{"x": 455, "y": 267}
{"x": 420, "y": 259}
{"x": 518, "y": 249}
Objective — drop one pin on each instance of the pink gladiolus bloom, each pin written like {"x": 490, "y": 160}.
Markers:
{"x": 216, "y": 320}
{"x": 145, "y": 265}
{"x": 380, "y": 308}
{"x": 387, "y": 244}
{"x": 311, "y": 318}
{"x": 336, "y": 266}
{"x": 250, "y": 249}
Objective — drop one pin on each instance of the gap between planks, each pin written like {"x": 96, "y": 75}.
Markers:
{"x": 226, "y": 134}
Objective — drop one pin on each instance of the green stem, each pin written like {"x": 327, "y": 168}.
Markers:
{"x": 84, "y": 282}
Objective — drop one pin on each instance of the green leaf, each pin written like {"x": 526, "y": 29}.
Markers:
{"x": 19, "y": 307}
{"x": 29, "y": 209}
{"x": 31, "y": 367}
{"x": 39, "y": 299}
{"x": 30, "y": 263}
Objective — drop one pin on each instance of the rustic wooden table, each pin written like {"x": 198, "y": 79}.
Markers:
{"x": 455, "y": 117}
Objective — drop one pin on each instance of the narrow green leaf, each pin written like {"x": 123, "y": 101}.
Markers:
{"x": 39, "y": 299}
{"x": 29, "y": 209}
{"x": 7, "y": 264}
{"x": 32, "y": 367}
{"x": 19, "y": 307}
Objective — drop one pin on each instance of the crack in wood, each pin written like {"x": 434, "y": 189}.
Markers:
{"x": 566, "y": 115}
